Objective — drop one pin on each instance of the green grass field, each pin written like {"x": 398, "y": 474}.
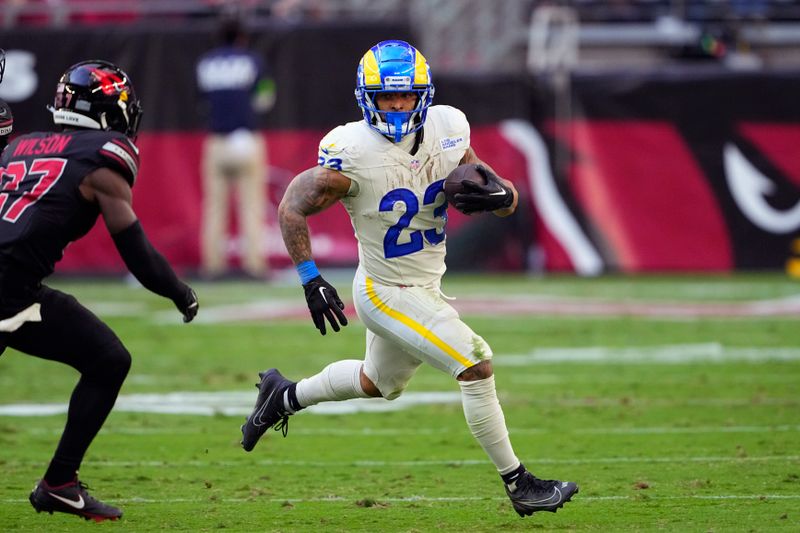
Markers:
{"x": 674, "y": 402}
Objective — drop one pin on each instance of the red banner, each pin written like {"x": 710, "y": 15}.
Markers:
{"x": 168, "y": 199}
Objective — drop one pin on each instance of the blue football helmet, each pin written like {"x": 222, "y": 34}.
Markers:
{"x": 394, "y": 66}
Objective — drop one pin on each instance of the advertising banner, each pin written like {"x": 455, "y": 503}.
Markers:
{"x": 692, "y": 169}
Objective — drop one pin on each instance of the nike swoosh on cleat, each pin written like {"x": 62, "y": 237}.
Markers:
{"x": 257, "y": 416}
{"x": 545, "y": 502}
{"x": 79, "y": 504}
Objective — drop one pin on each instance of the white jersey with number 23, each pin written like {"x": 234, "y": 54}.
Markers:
{"x": 396, "y": 200}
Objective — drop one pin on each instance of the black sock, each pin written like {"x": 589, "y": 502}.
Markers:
{"x": 513, "y": 476}
{"x": 60, "y": 472}
{"x": 89, "y": 406}
{"x": 291, "y": 395}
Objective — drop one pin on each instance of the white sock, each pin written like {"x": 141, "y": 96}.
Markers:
{"x": 337, "y": 381}
{"x": 487, "y": 423}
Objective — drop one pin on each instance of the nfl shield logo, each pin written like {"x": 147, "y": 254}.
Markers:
{"x": 415, "y": 164}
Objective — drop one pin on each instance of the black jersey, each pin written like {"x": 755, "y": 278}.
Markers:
{"x": 41, "y": 207}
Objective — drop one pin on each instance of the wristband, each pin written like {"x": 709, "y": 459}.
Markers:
{"x": 307, "y": 271}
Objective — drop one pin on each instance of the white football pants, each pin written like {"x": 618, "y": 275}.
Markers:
{"x": 410, "y": 325}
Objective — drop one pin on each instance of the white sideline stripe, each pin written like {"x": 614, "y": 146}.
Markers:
{"x": 239, "y": 403}
{"x": 234, "y": 403}
{"x": 117, "y": 308}
{"x": 262, "y": 309}
{"x": 527, "y": 306}
{"x": 498, "y": 304}
{"x": 411, "y": 499}
{"x": 688, "y": 430}
{"x": 411, "y": 464}
{"x": 374, "y": 405}
{"x": 711, "y": 352}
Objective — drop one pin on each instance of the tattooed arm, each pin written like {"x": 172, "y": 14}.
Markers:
{"x": 310, "y": 192}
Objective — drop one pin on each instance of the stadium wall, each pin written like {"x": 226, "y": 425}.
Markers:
{"x": 691, "y": 169}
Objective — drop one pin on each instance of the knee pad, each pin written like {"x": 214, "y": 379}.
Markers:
{"x": 119, "y": 361}
{"x": 392, "y": 395}
{"x": 390, "y": 386}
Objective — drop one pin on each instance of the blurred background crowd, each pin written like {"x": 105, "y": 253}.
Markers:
{"x": 643, "y": 135}
{"x": 62, "y": 11}
{"x": 493, "y": 35}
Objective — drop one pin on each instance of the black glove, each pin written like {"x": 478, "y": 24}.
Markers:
{"x": 324, "y": 302}
{"x": 187, "y": 304}
{"x": 477, "y": 198}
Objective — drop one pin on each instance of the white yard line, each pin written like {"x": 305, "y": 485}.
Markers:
{"x": 510, "y": 305}
{"x": 711, "y": 352}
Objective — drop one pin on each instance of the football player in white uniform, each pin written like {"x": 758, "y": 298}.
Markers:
{"x": 388, "y": 170}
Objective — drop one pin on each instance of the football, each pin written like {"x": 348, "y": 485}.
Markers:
{"x": 452, "y": 184}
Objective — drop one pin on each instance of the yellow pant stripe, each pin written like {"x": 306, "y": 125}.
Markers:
{"x": 416, "y": 326}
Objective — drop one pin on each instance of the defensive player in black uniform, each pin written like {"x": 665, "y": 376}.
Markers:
{"x": 54, "y": 186}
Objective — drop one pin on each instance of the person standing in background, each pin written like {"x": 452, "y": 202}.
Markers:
{"x": 236, "y": 85}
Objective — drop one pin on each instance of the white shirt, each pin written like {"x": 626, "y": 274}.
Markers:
{"x": 396, "y": 200}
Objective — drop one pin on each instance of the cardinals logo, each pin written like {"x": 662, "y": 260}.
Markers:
{"x": 110, "y": 83}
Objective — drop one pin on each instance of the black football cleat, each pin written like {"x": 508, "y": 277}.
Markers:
{"x": 532, "y": 494}
{"x": 269, "y": 411}
{"x": 71, "y": 498}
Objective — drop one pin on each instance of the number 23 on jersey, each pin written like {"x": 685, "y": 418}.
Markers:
{"x": 391, "y": 246}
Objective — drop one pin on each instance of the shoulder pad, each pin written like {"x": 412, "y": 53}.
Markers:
{"x": 121, "y": 155}
{"x": 340, "y": 148}
{"x": 452, "y": 119}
